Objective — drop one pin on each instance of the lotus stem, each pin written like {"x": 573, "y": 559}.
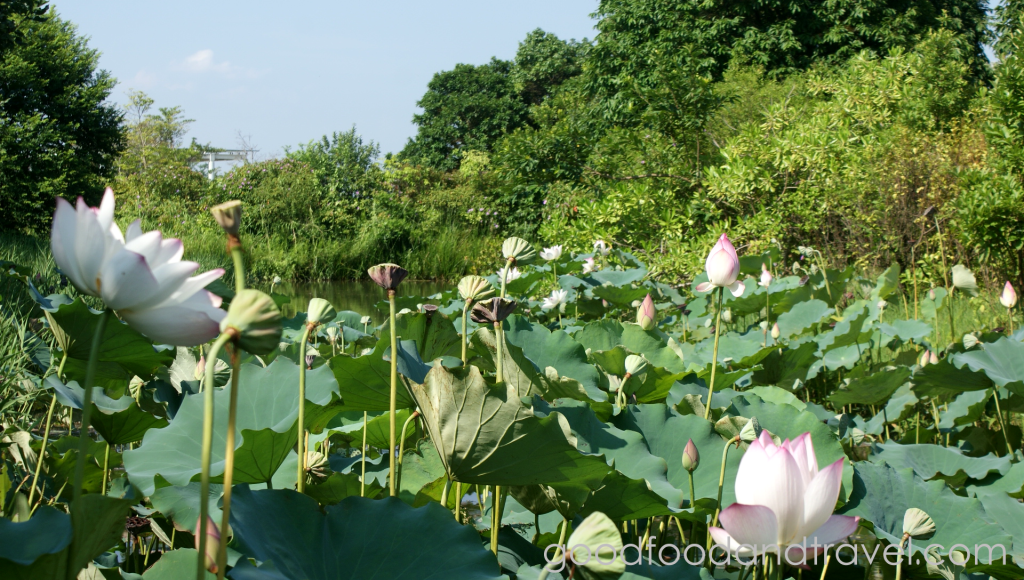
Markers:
{"x": 204, "y": 481}
{"x": 300, "y": 482}
{"x": 229, "y": 461}
{"x": 458, "y": 501}
{"x": 767, "y": 315}
{"x": 362, "y": 481}
{"x": 1009, "y": 318}
{"x": 714, "y": 360}
{"x": 558, "y": 552}
{"x": 401, "y": 445}
{"x": 46, "y": 435}
{"x": 1002, "y": 426}
{"x": 499, "y": 340}
{"x": 394, "y": 391}
{"x": 693, "y": 504}
{"x": 90, "y": 378}
{"x": 899, "y": 562}
{"x": 504, "y": 275}
{"x": 496, "y": 526}
{"x": 721, "y": 483}
{"x": 465, "y": 339}
{"x": 106, "y": 466}
{"x": 828, "y": 558}
{"x": 444, "y": 493}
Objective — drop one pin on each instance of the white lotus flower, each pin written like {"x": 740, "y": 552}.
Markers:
{"x": 766, "y": 276}
{"x": 602, "y": 248}
{"x": 513, "y": 274}
{"x": 723, "y": 268}
{"x": 139, "y": 275}
{"x": 556, "y": 300}
{"x": 552, "y": 253}
{"x": 1008, "y": 297}
{"x": 784, "y": 503}
{"x": 588, "y": 265}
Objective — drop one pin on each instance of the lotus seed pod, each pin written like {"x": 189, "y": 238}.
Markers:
{"x": 320, "y": 312}
{"x": 518, "y": 251}
{"x": 388, "y": 276}
{"x": 493, "y": 310}
{"x": 228, "y": 216}
{"x": 917, "y": 523}
{"x": 212, "y": 542}
{"x": 636, "y": 365}
{"x": 473, "y": 288}
{"x": 256, "y": 319}
{"x": 365, "y": 320}
{"x": 645, "y": 314}
{"x": 595, "y": 546}
{"x": 970, "y": 341}
{"x": 318, "y": 467}
{"x": 751, "y": 431}
{"x": 775, "y": 331}
{"x": 691, "y": 457}
{"x": 332, "y": 333}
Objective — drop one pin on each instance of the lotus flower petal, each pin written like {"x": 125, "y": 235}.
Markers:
{"x": 753, "y": 525}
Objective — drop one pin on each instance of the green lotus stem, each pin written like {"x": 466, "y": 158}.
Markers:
{"x": 824, "y": 273}
{"x": 721, "y": 483}
{"x": 236, "y": 258}
{"x": 496, "y": 526}
{"x": 558, "y": 552}
{"x": 90, "y": 378}
{"x": 714, "y": 360}
{"x": 444, "y": 493}
{"x": 899, "y": 563}
{"x": 1009, "y": 318}
{"x": 458, "y": 501}
{"x": 401, "y": 446}
{"x": 394, "y": 391}
{"x": 935, "y": 415}
{"x": 499, "y": 339}
{"x": 106, "y": 464}
{"x": 300, "y": 484}
{"x": 767, "y": 315}
{"x": 828, "y": 558}
{"x": 229, "y": 461}
{"x": 46, "y": 435}
{"x": 917, "y": 428}
{"x": 693, "y": 504}
{"x": 504, "y": 275}
{"x": 1002, "y": 426}
{"x": 945, "y": 279}
{"x": 465, "y": 339}
{"x": 204, "y": 481}
{"x": 362, "y": 481}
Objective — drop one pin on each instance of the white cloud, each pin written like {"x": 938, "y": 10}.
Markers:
{"x": 203, "y": 61}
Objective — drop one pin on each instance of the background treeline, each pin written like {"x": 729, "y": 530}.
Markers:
{"x": 836, "y": 125}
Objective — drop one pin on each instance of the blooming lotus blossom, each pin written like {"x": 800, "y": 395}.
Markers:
{"x": 588, "y": 265}
{"x": 552, "y": 253}
{"x": 602, "y": 248}
{"x": 1008, "y": 298}
{"x": 513, "y": 274}
{"x": 723, "y": 268}
{"x": 556, "y": 300}
{"x": 139, "y": 275}
{"x": 766, "y": 277}
{"x": 783, "y": 503}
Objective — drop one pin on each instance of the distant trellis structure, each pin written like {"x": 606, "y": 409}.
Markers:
{"x": 224, "y": 155}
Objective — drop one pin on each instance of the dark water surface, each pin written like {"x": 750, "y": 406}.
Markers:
{"x": 359, "y": 296}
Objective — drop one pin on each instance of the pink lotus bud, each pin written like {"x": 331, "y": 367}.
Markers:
{"x": 212, "y": 542}
{"x": 933, "y": 359}
{"x": 1008, "y": 298}
{"x": 923, "y": 361}
{"x": 766, "y": 276}
{"x": 691, "y": 457}
{"x": 723, "y": 268}
{"x": 775, "y": 331}
{"x": 645, "y": 314}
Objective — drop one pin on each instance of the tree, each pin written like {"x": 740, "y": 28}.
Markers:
{"x": 467, "y": 108}
{"x": 153, "y": 140}
{"x": 58, "y": 137}
{"x": 543, "y": 62}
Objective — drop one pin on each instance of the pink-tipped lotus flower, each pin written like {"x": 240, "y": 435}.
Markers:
{"x": 588, "y": 265}
{"x": 139, "y": 275}
{"x": 766, "y": 276}
{"x": 783, "y": 503}
{"x": 723, "y": 268}
{"x": 645, "y": 314}
{"x": 1009, "y": 297}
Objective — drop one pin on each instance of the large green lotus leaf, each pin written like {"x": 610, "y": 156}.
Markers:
{"x": 907, "y": 330}
{"x": 654, "y": 385}
{"x": 624, "y": 448}
{"x": 421, "y": 469}
{"x": 565, "y": 498}
{"x": 883, "y": 494}
{"x": 965, "y": 409}
{"x": 621, "y": 498}
{"x": 123, "y": 354}
{"x": 484, "y": 434}
{"x": 802, "y": 316}
{"x": 48, "y": 531}
{"x": 1007, "y": 513}
{"x": 619, "y": 277}
{"x": 847, "y": 332}
{"x": 784, "y": 397}
{"x": 666, "y": 433}
{"x": 621, "y": 296}
{"x": 787, "y": 422}
{"x": 177, "y": 564}
{"x": 844, "y": 356}
{"x": 339, "y": 486}
{"x": 944, "y": 379}
{"x": 552, "y": 349}
{"x": 744, "y": 350}
{"x": 929, "y": 306}
{"x": 786, "y": 365}
{"x": 612, "y": 361}
{"x": 786, "y": 300}
{"x": 265, "y": 427}
{"x": 118, "y": 421}
{"x": 887, "y": 283}
{"x": 753, "y": 300}
{"x": 434, "y": 334}
{"x": 378, "y": 428}
{"x": 358, "y": 539}
{"x": 518, "y": 372}
{"x": 1012, "y": 483}
{"x": 365, "y": 381}
{"x": 607, "y": 334}
{"x": 872, "y": 389}
{"x": 180, "y": 504}
{"x": 1002, "y": 361}
{"x": 61, "y": 460}
{"x": 900, "y": 407}
{"x": 934, "y": 461}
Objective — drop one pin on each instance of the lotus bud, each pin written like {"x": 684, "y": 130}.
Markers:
{"x": 882, "y": 304}
{"x": 931, "y": 293}
{"x": 601, "y": 247}
{"x": 723, "y": 268}
{"x": 635, "y": 365}
{"x": 492, "y": 311}
{"x": 933, "y": 358}
{"x": 518, "y": 251}
{"x": 1008, "y": 298}
{"x": 212, "y": 542}
{"x": 200, "y": 371}
{"x": 645, "y": 314}
{"x": 388, "y": 276}
{"x": 474, "y": 288}
{"x": 727, "y": 315}
{"x": 320, "y": 312}
{"x": 228, "y": 216}
{"x": 691, "y": 457}
{"x": 256, "y": 320}
{"x": 917, "y": 523}
{"x": 766, "y": 276}
{"x": 552, "y": 253}
{"x": 588, "y": 265}
{"x": 332, "y": 333}
{"x": 751, "y": 431}
{"x": 775, "y": 331}
{"x": 923, "y": 360}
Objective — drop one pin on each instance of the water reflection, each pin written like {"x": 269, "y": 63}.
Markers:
{"x": 358, "y": 296}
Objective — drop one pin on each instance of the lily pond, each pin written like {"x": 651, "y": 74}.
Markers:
{"x": 566, "y": 417}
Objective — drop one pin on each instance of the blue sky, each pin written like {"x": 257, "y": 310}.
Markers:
{"x": 287, "y": 73}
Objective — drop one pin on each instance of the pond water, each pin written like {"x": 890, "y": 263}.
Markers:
{"x": 357, "y": 295}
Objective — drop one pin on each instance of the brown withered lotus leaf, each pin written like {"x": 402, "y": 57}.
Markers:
{"x": 493, "y": 310}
